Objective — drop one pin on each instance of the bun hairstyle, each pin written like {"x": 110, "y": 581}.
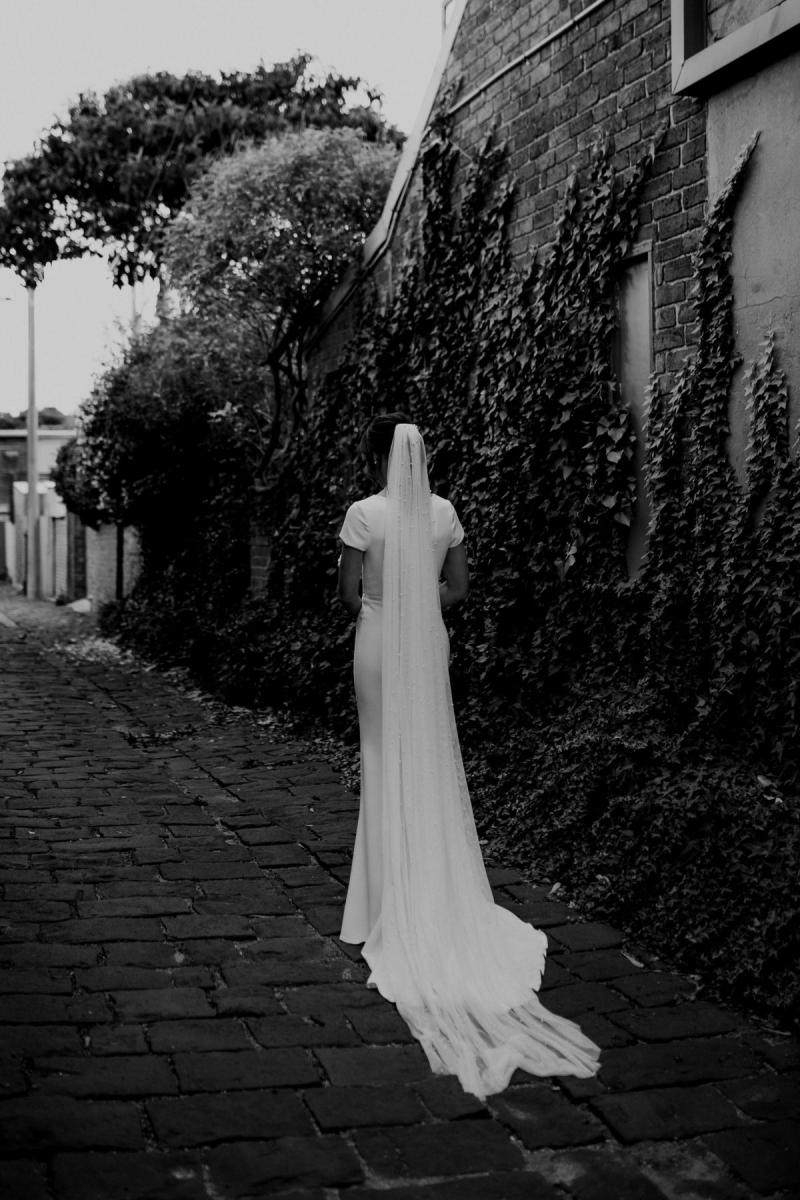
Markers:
{"x": 376, "y": 441}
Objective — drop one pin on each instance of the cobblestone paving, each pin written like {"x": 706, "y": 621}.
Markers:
{"x": 180, "y": 1020}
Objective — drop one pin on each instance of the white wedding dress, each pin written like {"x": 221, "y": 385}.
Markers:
{"x": 462, "y": 970}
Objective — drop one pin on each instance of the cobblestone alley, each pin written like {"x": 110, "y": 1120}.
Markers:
{"x": 180, "y": 1020}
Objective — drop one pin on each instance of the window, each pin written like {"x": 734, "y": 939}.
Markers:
{"x": 717, "y": 41}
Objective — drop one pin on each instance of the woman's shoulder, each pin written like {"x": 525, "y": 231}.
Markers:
{"x": 368, "y": 508}
{"x": 446, "y": 521}
{"x": 377, "y": 502}
{"x": 365, "y": 503}
{"x": 440, "y": 504}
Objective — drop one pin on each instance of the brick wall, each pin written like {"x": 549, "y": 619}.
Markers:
{"x": 76, "y": 557}
{"x": 609, "y": 76}
{"x": 259, "y": 560}
{"x": 378, "y": 282}
{"x": 329, "y": 347}
{"x": 551, "y": 93}
{"x": 101, "y": 563}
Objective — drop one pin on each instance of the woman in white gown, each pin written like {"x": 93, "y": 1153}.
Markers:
{"x": 462, "y": 970}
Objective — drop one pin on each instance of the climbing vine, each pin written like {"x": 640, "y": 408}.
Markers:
{"x": 509, "y": 373}
{"x": 510, "y": 376}
{"x": 638, "y": 737}
{"x": 721, "y": 585}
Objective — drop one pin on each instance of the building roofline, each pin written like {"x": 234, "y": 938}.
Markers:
{"x": 45, "y": 431}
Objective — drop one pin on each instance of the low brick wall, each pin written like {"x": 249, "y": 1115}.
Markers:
{"x": 101, "y": 563}
{"x": 259, "y": 561}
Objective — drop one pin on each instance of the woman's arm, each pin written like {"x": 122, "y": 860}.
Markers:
{"x": 350, "y": 578}
{"x": 454, "y": 586}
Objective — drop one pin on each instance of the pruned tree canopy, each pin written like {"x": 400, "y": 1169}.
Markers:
{"x": 266, "y": 234}
{"x": 270, "y": 230}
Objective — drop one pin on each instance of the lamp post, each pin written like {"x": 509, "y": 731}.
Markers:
{"x": 32, "y": 435}
{"x": 32, "y": 556}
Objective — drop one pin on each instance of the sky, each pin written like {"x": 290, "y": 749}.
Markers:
{"x": 52, "y": 50}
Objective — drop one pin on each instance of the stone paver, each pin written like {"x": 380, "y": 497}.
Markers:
{"x": 180, "y": 1020}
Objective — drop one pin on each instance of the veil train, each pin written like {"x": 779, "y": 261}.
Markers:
{"x": 462, "y": 970}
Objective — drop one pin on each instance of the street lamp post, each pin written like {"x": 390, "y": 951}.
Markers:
{"x": 32, "y": 556}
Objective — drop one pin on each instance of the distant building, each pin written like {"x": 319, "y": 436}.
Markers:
{"x": 74, "y": 560}
{"x": 13, "y": 501}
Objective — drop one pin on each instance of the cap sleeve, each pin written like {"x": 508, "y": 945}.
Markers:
{"x": 456, "y": 530}
{"x": 355, "y": 531}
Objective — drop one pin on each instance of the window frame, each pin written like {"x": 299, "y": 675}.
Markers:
{"x": 699, "y": 68}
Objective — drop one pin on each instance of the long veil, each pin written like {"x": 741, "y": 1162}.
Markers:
{"x": 462, "y": 970}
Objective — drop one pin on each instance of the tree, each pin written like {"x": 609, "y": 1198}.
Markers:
{"x": 135, "y": 461}
{"x": 28, "y": 226}
{"x": 12, "y": 420}
{"x": 114, "y": 173}
{"x": 53, "y": 417}
{"x": 267, "y": 233}
{"x": 158, "y": 451}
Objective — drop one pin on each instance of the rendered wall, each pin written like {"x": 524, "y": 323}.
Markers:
{"x": 766, "y": 246}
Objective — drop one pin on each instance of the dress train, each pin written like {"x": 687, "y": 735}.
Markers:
{"x": 462, "y": 970}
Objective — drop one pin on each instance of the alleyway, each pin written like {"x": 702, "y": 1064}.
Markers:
{"x": 180, "y": 1020}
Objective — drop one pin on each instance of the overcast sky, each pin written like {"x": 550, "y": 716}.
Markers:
{"x": 51, "y": 50}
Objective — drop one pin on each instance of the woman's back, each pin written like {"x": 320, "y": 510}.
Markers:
{"x": 365, "y": 529}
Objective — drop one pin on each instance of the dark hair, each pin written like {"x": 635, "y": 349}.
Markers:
{"x": 376, "y": 441}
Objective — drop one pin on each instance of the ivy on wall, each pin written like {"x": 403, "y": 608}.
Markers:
{"x": 510, "y": 377}
{"x": 721, "y": 585}
{"x": 598, "y": 713}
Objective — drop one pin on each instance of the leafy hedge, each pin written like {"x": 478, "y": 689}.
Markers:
{"x": 511, "y": 377}
{"x": 637, "y": 796}
{"x": 159, "y": 451}
{"x": 721, "y": 589}
{"x": 686, "y": 846}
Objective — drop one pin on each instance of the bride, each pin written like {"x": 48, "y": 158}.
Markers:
{"x": 462, "y": 970}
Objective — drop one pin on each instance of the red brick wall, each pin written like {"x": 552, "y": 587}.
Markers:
{"x": 101, "y": 563}
{"x": 608, "y": 76}
{"x": 384, "y": 271}
{"x": 76, "y": 557}
{"x": 329, "y": 346}
{"x": 259, "y": 560}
